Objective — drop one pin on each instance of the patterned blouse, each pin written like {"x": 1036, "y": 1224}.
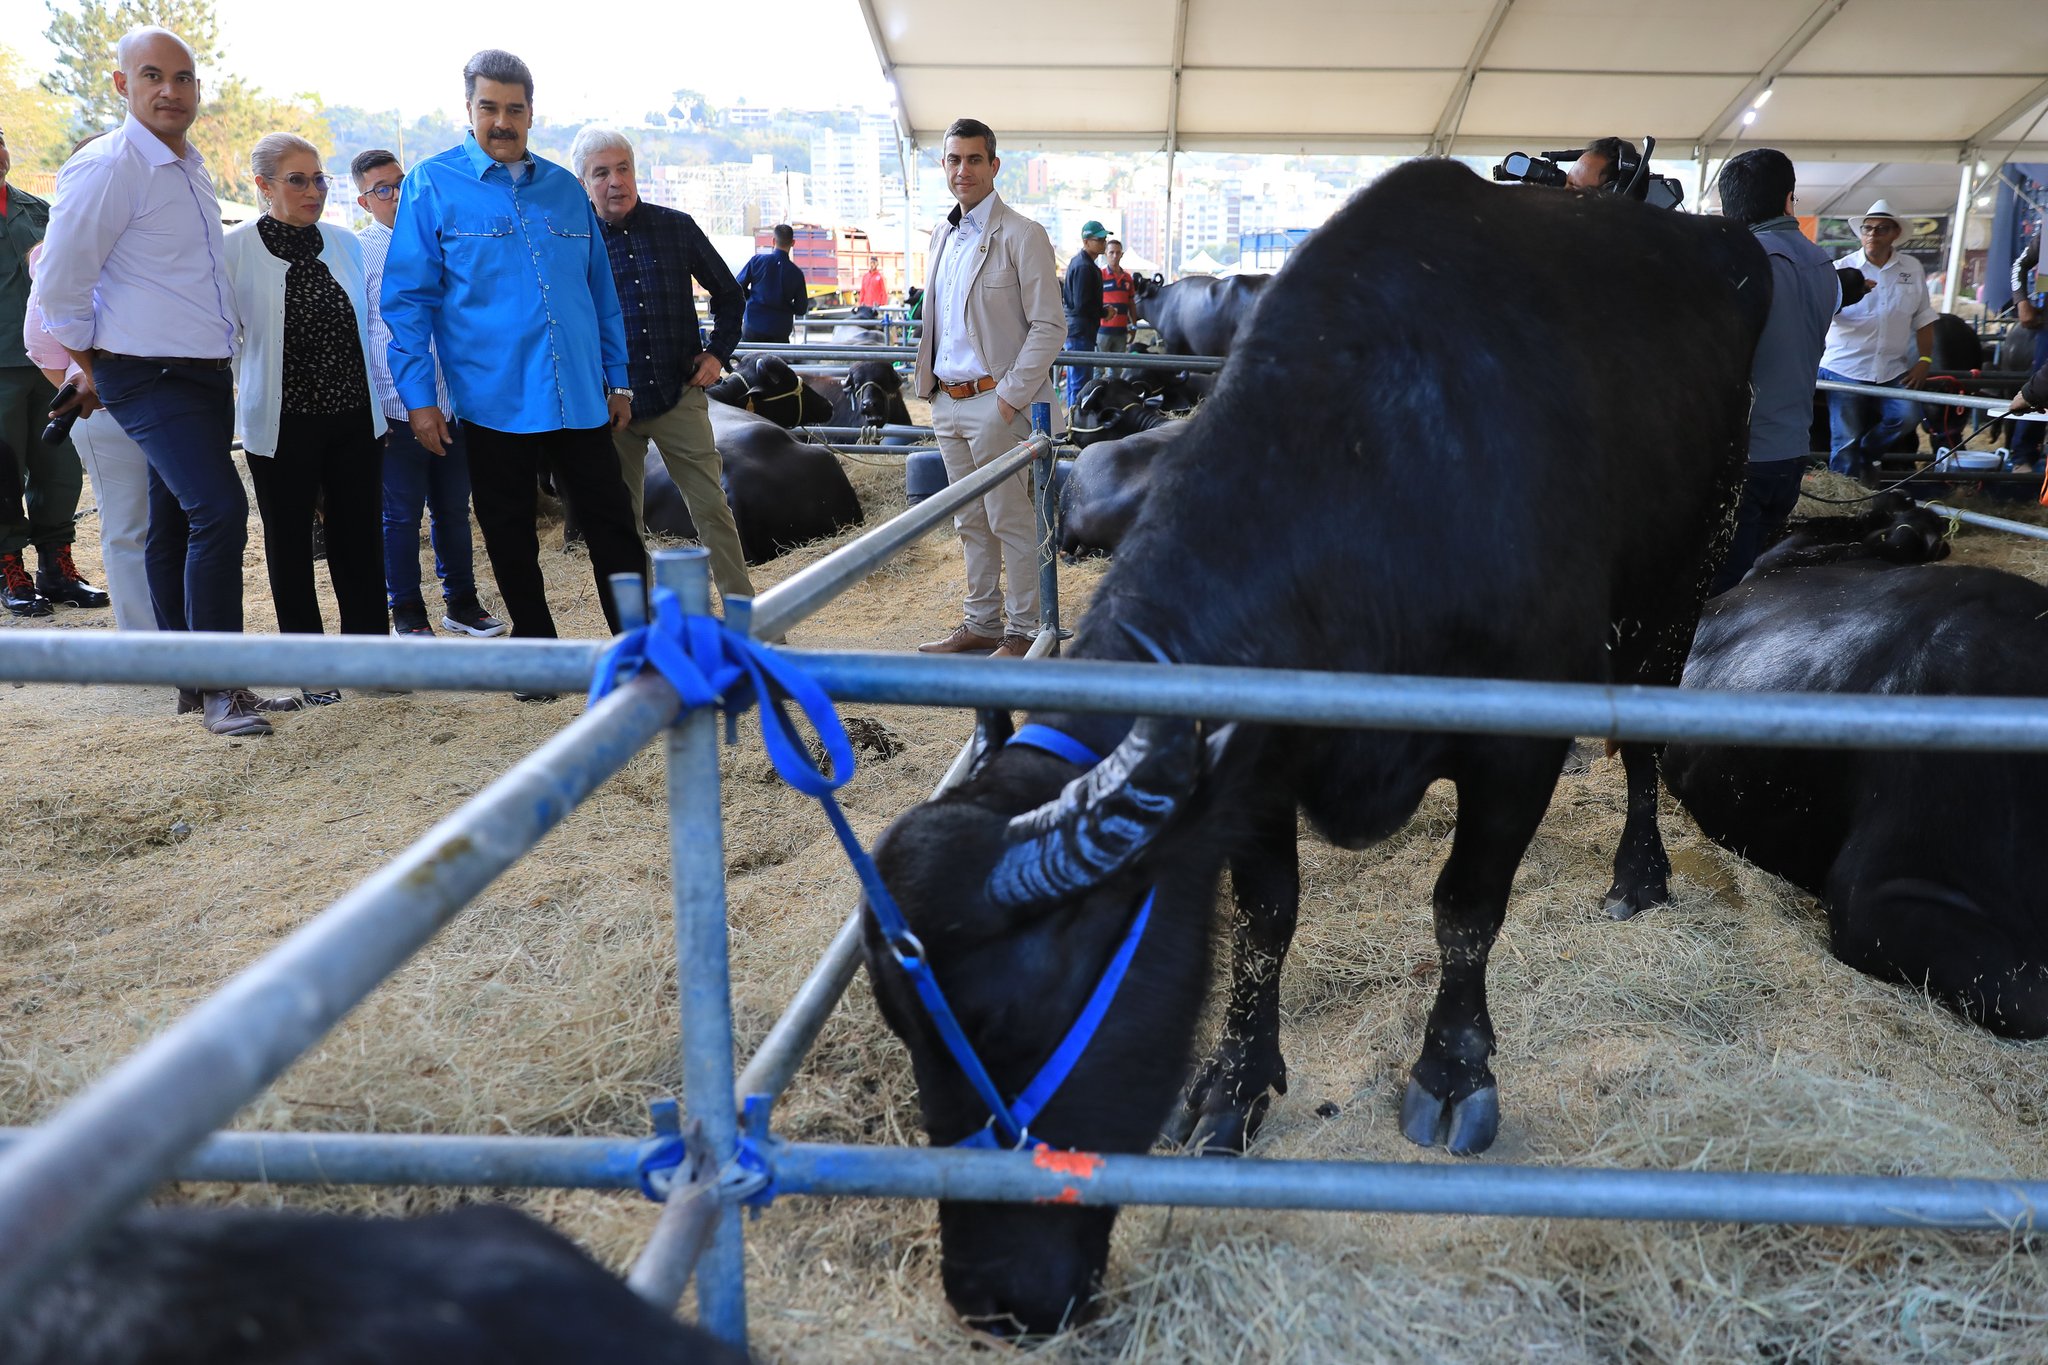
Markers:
{"x": 323, "y": 355}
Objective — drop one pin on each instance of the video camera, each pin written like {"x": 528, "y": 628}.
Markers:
{"x": 1632, "y": 177}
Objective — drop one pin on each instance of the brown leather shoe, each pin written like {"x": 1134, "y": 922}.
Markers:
{"x": 964, "y": 640}
{"x": 233, "y": 713}
{"x": 189, "y": 701}
{"x": 1013, "y": 647}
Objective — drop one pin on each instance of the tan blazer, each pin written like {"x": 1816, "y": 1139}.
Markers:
{"x": 1014, "y": 318}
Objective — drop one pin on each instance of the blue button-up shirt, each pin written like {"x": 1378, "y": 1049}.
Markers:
{"x": 508, "y": 279}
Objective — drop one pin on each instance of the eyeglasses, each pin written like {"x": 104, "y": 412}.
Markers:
{"x": 384, "y": 191}
{"x": 299, "y": 180}
{"x": 1877, "y": 225}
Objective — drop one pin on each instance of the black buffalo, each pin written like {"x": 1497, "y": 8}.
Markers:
{"x": 1107, "y": 487}
{"x": 1113, "y": 407}
{"x": 767, "y": 385}
{"x": 1924, "y": 859}
{"x": 783, "y": 492}
{"x": 1199, "y": 315}
{"x": 483, "y": 1285}
{"x": 1390, "y": 522}
{"x": 872, "y": 396}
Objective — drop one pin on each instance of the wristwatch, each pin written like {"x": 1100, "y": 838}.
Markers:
{"x": 626, "y": 394}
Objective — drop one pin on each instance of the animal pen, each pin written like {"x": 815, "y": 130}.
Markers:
{"x": 154, "y": 1117}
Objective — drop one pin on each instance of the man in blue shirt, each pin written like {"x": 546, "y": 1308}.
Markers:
{"x": 497, "y": 265}
{"x": 775, "y": 291}
{"x": 1757, "y": 190}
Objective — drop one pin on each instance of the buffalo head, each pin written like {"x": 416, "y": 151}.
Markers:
{"x": 876, "y": 392}
{"x": 1020, "y": 885}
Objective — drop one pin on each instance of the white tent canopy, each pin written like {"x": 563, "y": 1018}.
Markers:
{"x": 1860, "y": 82}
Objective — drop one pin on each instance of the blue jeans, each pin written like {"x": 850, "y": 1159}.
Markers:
{"x": 183, "y": 417}
{"x": 1078, "y": 339}
{"x": 414, "y": 479}
{"x": 1769, "y": 493}
{"x": 1864, "y": 428}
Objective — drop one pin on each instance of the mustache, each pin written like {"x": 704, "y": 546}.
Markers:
{"x": 501, "y": 135}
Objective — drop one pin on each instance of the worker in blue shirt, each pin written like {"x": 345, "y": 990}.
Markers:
{"x": 497, "y": 261}
{"x": 775, "y": 291}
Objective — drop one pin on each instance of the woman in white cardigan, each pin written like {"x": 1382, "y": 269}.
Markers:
{"x": 311, "y": 426}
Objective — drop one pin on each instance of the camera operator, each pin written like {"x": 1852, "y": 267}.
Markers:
{"x": 1757, "y": 191}
{"x": 1599, "y": 166}
{"x": 2030, "y": 295}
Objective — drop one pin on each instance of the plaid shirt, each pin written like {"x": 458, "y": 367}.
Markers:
{"x": 655, "y": 251}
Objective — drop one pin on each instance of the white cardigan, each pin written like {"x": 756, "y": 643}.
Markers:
{"x": 257, "y": 279}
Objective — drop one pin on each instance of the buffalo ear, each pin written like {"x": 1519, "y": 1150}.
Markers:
{"x": 1158, "y": 280}
{"x": 992, "y": 730}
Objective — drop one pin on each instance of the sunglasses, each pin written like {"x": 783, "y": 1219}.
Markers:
{"x": 299, "y": 180}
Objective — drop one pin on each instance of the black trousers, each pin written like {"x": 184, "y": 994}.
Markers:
{"x": 330, "y": 461}
{"x": 504, "y": 473}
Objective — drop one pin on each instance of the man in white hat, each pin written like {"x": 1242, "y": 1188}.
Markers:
{"x": 1887, "y": 338}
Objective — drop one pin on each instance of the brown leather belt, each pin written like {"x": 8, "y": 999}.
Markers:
{"x": 969, "y": 389}
{"x": 198, "y": 363}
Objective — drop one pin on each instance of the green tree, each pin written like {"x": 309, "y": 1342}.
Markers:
{"x": 233, "y": 114}
{"x": 37, "y": 123}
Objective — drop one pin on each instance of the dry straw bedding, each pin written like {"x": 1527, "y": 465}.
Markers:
{"x": 147, "y": 861}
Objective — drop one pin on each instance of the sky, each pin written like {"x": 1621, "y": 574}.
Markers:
{"x": 624, "y": 62}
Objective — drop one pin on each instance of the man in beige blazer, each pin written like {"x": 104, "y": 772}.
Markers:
{"x": 992, "y": 325}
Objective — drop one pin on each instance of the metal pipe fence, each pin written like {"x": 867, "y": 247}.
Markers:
{"x": 1108, "y": 360}
{"x": 153, "y": 1117}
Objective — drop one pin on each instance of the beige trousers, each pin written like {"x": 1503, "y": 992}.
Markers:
{"x": 683, "y": 436}
{"x": 999, "y": 533}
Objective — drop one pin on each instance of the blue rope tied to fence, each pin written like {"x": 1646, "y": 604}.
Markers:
{"x": 708, "y": 664}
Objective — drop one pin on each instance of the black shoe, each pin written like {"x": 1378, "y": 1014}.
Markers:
{"x": 467, "y": 616}
{"x": 57, "y": 579}
{"x": 19, "y": 590}
{"x": 409, "y": 621}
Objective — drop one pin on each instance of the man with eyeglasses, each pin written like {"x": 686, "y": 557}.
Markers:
{"x": 498, "y": 266}
{"x": 415, "y": 480}
{"x": 1886, "y": 338}
{"x": 134, "y": 285}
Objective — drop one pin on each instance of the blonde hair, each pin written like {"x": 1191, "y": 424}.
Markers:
{"x": 270, "y": 149}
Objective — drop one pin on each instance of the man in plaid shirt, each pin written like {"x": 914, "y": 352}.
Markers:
{"x": 655, "y": 252}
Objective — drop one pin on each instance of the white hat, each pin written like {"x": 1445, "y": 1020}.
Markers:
{"x": 1879, "y": 209}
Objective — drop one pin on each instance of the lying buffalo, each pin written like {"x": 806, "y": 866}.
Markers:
{"x": 1198, "y": 315}
{"x": 1111, "y": 408}
{"x": 872, "y": 396}
{"x": 483, "y": 1285}
{"x": 1924, "y": 859}
{"x": 1107, "y": 487}
{"x": 783, "y": 492}
{"x": 1393, "y": 526}
{"x": 767, "y": 385}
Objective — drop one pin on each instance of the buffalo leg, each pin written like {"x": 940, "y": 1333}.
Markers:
{"x": 1452, "y": 1098}
{"x": 1227, "y": 1098}
{"x": 1642, "y": 870}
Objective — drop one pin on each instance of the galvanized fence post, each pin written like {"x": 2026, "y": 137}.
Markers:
{"x": 1048, "y": 526}
{"x": 703, "y": 974}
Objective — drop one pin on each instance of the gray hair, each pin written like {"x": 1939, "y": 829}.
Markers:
{"x": 495, "y": 64}
{"x": 271, "y": 148}
{"x": 593, "y": 140}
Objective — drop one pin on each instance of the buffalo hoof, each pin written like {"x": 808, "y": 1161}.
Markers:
{"x": 1628, "y": 902}
{"x": 1224, "y": 1105}
{"x": 1466, "y": 1128}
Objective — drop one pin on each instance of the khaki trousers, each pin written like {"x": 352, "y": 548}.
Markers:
{"x": 683, "y": 436}
{"x": 998, "y": 533}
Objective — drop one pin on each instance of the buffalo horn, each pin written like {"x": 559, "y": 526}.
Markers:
{"x": 1103, "y": 820}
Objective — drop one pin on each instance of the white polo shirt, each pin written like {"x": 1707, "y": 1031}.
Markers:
{"x": 1877, "y": 340}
